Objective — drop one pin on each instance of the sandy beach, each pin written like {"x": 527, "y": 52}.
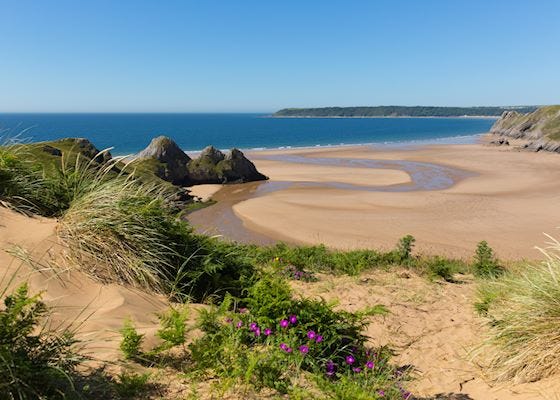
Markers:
{"x": 502, "y": 195}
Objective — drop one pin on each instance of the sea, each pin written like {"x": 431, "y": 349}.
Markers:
{"x": 129, "y": 133}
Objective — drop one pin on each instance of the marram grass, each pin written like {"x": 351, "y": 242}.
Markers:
{"x": 117, "y": 232}
{"x": 524, "y": 312}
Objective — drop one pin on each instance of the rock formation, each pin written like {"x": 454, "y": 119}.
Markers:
{"x": 76, "y": 145}
{"x": 211, "y": 166}
{"x": 540, "y": 129}
{"x": 171, "y": 160}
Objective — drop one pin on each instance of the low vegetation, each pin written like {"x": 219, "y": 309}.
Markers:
{"x": 299, "y": 347}
{"x": 35, "y": 362}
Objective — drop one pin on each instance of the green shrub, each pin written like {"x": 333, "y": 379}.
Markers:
{"x": 439, "y": 267}
{"x": 34, "y": 362}
{"x": 173, "y": 327}
{"x": 131, "y": 341}
{"x": 485, "y": 263}
{"x": 129, "y": 385}
{"x": 277, "y": 340}
{"x": 404, "y": 248}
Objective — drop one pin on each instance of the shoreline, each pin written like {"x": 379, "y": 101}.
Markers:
{"x": 451, "y": 140}
{"x": 389, "y": 116}
{"x": 507, "y": 200}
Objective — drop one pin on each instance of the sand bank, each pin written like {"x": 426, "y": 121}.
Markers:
{"x": 506, "y": 197}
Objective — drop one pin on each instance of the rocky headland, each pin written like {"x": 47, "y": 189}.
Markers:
{"x": 539, "y": 130}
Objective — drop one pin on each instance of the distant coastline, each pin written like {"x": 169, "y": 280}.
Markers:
{"x": 400, "y": 112}
{"x": 384, "y": 116}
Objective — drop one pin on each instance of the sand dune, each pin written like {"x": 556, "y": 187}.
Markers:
{"x": 432, "y": 326}
{"x": 99, "y": 310}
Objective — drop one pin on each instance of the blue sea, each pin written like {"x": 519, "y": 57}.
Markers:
{"x": 129, "y": 133}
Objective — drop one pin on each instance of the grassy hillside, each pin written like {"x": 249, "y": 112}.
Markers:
{"x": 543, "y": 124}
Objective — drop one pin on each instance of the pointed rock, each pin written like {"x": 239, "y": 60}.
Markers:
{"x": 238, "y": 168}
{"x": 173, "y": 161}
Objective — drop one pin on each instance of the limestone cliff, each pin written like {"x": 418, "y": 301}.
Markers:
{"x": 540, "y": 129}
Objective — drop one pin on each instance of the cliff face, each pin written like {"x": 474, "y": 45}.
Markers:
{"x": 212, "y": 166}
{"x": 541, "y": 128}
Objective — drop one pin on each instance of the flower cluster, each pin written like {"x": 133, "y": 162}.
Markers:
{"x": 292, "y": 338}
{"x": 291, "y": 271}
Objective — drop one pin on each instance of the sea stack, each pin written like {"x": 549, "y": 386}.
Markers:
{"x": 172, "y": 161}
{"x": 212, "y": 166}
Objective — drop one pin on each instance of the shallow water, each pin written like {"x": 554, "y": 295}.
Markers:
{"x": 220, "y": 218}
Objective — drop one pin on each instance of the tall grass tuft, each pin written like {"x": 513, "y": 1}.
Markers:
{"x": 22, "y": 186}
{"x": 524, "y": 312}
{"x": 119, "y": 231}
{"x": 124, "y": 230}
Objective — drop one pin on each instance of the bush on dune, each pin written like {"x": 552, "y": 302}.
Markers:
{"x": 524, "y": 313}
{"x": 300, "y": 347}
{"x": 34, "y": 361}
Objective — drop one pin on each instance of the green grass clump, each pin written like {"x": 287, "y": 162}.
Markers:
{"x": 486, "y": 264}
{"x": 22, "y": 185}
{"x": 34, "y": 361}
{"x": 523, "y": 309}
{"x": 320, "y": 258}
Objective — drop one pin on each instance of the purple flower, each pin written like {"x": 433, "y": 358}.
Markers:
{"x": 284, "y": 323}
{"x": 293, "y": 319}
{"x": 406, "y": 395}
{"x": 243, "y": 310}
{"x": 381, "y": 393}
{"x": 285, "y": 347}
{"x": 257, "y": 331}
{"x": 303, "y": 349}
{"x": 370, "y": 365}
{"x": 253, "y": 327}
{"x": 350, "y": 360}
{"x": 311, "y": 335}
{"x": 229, "y": 320}
{"x": 331, "y": 367}
{"x": 318, "y": 338}
{"x": 357, "y": 369}
{"x": 267, "y": 332}
{"x": 239, "y": 324}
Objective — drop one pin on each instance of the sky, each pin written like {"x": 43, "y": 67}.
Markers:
{"x": 260, "y": 56}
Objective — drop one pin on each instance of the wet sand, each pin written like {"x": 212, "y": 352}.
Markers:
{"x": 452, "y": 197}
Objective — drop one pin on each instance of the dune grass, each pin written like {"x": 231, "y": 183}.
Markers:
{"x": 523, "y": 308}
{"x": 22, "y": 186}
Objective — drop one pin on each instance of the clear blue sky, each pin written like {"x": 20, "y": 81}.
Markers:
{"x": 263, "y": 55}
